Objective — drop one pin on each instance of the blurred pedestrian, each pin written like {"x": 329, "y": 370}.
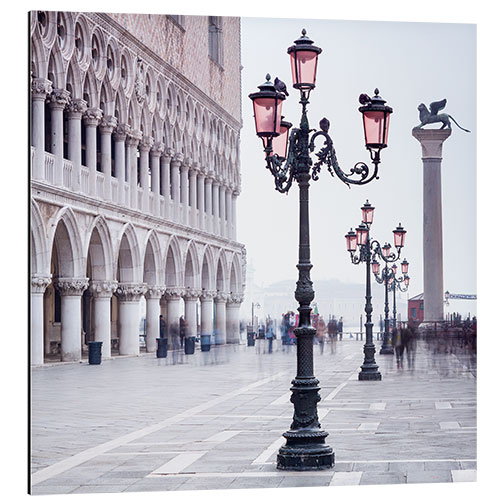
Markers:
{"x": 270, "y": 334}
{"x": 321, "y": 333}
{"x": 182, "y": 330}
{"x": 163, "y": 327}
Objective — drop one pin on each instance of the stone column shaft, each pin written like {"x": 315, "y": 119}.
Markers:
{"x": 155, "y": 175}
{"x": 76, "y": 108}
{"x": 176, "y": 183}
{"x": 165, "y": 181}
{"x": 173, "y": 298}
{"x": 40, "y": 88}
{"x": 120, "y": 135}
{"x": 58, "y": 100}
{"x": 128, "y": 316}
{"x": 106, "y": 127}
{"x": 233, "y": 319}
{"x": 207, "y": 308}
{"x": 220, "y": 318}
{"x": 145, "y": 148}
{"x": 132, "y": 143}
{"x": 38, "y": 286}
{"x": 184, "y": 192}
{"x": 153, "y": 312}
{"x": 201, "y": 200}
{"x": 215, "y": 208}
{"x": 193, "y": 195}
{"x": 102, "y": 291}
{"x": 91, "y": 119}
{"x": 222, "y": 209}
{"x": 208, "y": 203}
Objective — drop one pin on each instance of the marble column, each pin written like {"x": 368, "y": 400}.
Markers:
{"x": 106, "y": 127}
{"x": 165, "y": 160}
{"x": 216, "y": 228}
{"x": 175, "y": 177}
{"x": 40, "y": 88}
{"x": 191, "y": 297}
{"x": 101, "y": 292}
{"x": 220, "y": 318}
{"x": 193, "y": 186}
{"x": 145, "y": 147}
{"x": 431, "y": 141}
{"x": 201, "y": 198}
{"x": 207, "y": 312}
{"x": 184, "y": 191}
{"x": 47, "y": 312}
{"x": 129, "y": 295}
{"x": 133, "y": 140}
{"x": 222, "y": 208}
{"x": 229, "y": 214}
{"x": 76, "y": 108}
{"x": 173, "y": 298}
{"x": 233, "y": 318}
{"x": 234, "y": 197}
{"x": 209, "y": 224}
{"x": 120, "y": 134}
{"x": 91, "y": 119}
{"x": 71, "y": 291}
{"x": 58, "y": 100}
{"x": 153, "y": 296}
{"x": 39, "y": 284}
{"x": 156, "y": 151}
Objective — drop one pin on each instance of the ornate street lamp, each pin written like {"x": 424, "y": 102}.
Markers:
{"x": 387, "y": 277}
{"x": 305, "y": 447}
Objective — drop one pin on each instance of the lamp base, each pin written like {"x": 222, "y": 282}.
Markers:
{"x": 369, "y": 375}
{"x": 386, "y": 350}
{"x": 305, "y": 450}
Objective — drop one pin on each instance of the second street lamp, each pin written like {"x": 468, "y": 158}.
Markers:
{"x": 305, "y": 447}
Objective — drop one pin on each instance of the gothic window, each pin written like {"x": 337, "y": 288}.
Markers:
{"x": 215, "y": 39}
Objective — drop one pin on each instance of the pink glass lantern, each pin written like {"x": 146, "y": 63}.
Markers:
{"x": 375, "y": 267}
{"x": 267, "y": 109}
{"x": 394, "y": 268}
{"x": 404, "y": 266}
{"x": 361, "y": 234}
{"x": 375, "y": 120}
{"x": 367, "y": 210}
{"x": 386, "y": 250}
{"x": 399, "y": 236}
{"x": 407, "y": 281}
{"x": 304, "y": 61}
{"x": 351, "y": 241}
{"x": 280, "y": 143}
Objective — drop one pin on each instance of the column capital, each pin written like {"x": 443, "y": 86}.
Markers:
{"x": 76, "y": 108}
{"x": 39, "y": 283}
{"x": 203, "y": 171}
{"x": 431, "y": 141}
{"x": 92, "y": 116}
{"x": 210, "y": 176}
{"x": 103, "y": 289}
{"x": 121, "y": 131}
{"x": 207, "y": 295}
{"x": 157, "y": 149}
{"x": 235, "y": 299}
{"x": 155, "y": 292}
{"x": 221, "y": 297}
{"x": 59, "y": 98}
{"x": 236, "y": 190}
{"x": 191, "y": 294}
{"x": 134, "y": 137}
{"x": 131, "y": 292}
{"x": 71, "y": 286}
{"x": 108, "y": 124}
{"x": 168, "y": 153}
{"x": 186, "y": 163}
{"x": 40, "y": 88}
{"x": 173, "y": 293}
{"x": 177, "y": 159}
{"x": 217, "y": 180}
{"x": 146, "y": 143}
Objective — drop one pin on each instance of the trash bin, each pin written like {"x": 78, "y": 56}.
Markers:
{"x": 161, "y": 347}
{"x": 189, "y": 345}
{"x": 205, "y": 343}
{"x": 95, "y": 354}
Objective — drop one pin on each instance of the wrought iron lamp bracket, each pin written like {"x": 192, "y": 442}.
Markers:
{"x": 377, "y": 250}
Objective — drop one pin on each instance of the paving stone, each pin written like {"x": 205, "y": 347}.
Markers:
{"x": 382, "y": 478}
{"x": 436, "y": 476}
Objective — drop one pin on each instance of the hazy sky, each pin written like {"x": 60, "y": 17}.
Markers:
{"x": 410, "y": 63}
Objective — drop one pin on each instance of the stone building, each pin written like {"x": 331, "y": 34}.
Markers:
{"x": 135, "y": 124}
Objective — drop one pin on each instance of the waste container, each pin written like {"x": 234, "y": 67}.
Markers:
{"x": 189, "y": 345}
{"x": 250, "y": 339}
{"x": 205, "y": 342}
{"x": 161, "y": 347}
{"x": 95, "y": 354}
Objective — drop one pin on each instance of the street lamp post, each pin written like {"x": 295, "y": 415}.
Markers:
{"x": 396, "y": 283}
{"x": 368, "y": 249}
{"x": 289, "y": 160}
{"x": 388, "y": 257}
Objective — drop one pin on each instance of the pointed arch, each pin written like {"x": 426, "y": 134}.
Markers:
{"x": 128, "y": 258}
{"x": 40, "y": 262}
{"x": 56, "y": 72}
{"x": 153, "y": 267}
{"x": 208, "y": 269}
{"x": 90, "y": 92}
{"x": 221, "y": 276}
{"x": 99, "y": 250}
{"x": 173, "y": 263}
{"x": 191, "y": 266}
{"x": 235, "y": 279}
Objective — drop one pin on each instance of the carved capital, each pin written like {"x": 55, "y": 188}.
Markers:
{"x": 146, "y": 143}
{"x": 92, "y": 117}
{"x": 76, "y": 108}
{"x": 40, "y": 88}
{"x": 431, "y": 141}
{"x": 173, "y": 293}
{"x": 71, "y": 286}
{"x": 59, "y": 98}
{"x": 103, "y": 289}
{"x": 191, "y": 294}
{"x": 131, "y": 292}
{"x": 39, "y": 283}
{"x": 177, "y": 159}
{"x": 157, "y": 149}
{"x": 108, "y": 124}
{"x": 155, "y": 292}
{"x": 168, "y": 153}
{"x": 134, "y": 137}
{"x": 210, "y": 176}
{"x": 221, "y": 297}
{"x": 121, "y": 131}
{"x": 235, "y": 299}
{"x": 207, "y": 295}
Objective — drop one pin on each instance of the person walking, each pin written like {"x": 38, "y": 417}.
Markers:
{"x": 182, "y": 330}
{"x": 321, "y": 333}
{"x": 163, "y": 326}
{"x": 270, "y": 334}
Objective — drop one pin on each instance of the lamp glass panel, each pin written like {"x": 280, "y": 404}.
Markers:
{"x": 376, "y": 124}
{"x": 266, "y": 111}
{"x": 280, "y": 143}
{"x": 304, "y": 64}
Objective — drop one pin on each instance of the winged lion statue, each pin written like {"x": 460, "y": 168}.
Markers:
{"x": 433, "y": 116}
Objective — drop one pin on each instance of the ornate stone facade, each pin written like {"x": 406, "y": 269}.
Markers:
{"x": 135, "y": 178}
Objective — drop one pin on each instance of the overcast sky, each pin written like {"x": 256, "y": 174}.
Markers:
{"x": 410, "y": 63}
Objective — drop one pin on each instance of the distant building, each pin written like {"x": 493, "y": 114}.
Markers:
{"x": 416, "y": 308}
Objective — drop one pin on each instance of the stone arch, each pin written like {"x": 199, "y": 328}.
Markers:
{"x": 106, "y": 98}
{"x": 82, "y": 42}
{"x": 156, "y": 129}
{"x": 128, "y": 259}
{"x": 113, "y": 63}
{"x": 97, "y": 53}
{"x": 65, "y": 38}
{"x": 46, "y": 26}
{"x": 66, "y": 245}
{"x": 145, "y": 126}
{"x": 55, "y": 71}
{"x": 235, "y": 278}
{"x": 208, "y": 269}
{"x": 99, "y": 250}
{"x": 90, "y": 92}
{"x": 173, "y": 263}
{"x": 153, "y": 269}
{"x": 39, "y": 246}
{"x": 39, "y": 59}
{"x": 191, "y": 267}
{"x": 74, "y": 80}
{"x": 134, "y": 114}
{"x": 121, "y": 106}
{"x": 221, "y": 276}
{"x": 126, "y": 72}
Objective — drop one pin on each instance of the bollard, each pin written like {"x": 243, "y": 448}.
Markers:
{"x": 161, "y": 347}
{"x": 95, "y": 354}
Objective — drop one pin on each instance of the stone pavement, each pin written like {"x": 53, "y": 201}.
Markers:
{"x": 214, "y": 420}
